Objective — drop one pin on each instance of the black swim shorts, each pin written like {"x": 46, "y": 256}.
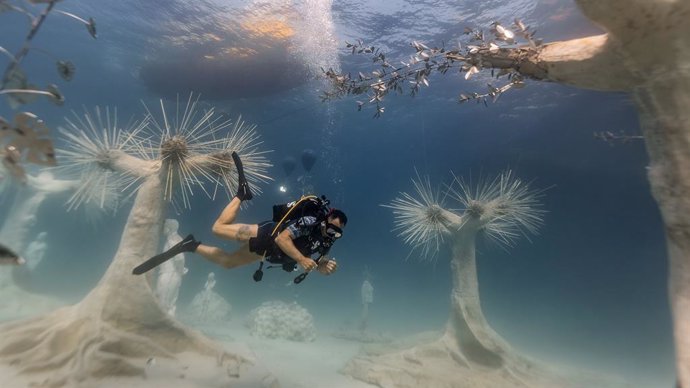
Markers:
{"x": 263, "y": 244}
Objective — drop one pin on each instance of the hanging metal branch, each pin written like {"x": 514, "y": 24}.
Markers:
{"x": 496, "y": 52}
{"x": 612, "y": 138}
{"x": 18, "y": 142}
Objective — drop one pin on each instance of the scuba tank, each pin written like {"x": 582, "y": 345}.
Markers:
{"x": 308, "y": 205}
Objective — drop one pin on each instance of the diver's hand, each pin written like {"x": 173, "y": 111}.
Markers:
{"x": 307, "y": 263}
{"x": 327, "y": 266}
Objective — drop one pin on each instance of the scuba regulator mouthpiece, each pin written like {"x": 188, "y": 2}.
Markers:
{"x": 301, "y": 277}
{"x": 259, "y": 274}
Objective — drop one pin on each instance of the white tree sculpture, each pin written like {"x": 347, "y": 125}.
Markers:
{"x": 119, "y": 324}
{"x": 470, "y": 350}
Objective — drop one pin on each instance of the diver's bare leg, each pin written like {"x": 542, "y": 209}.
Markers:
{"x": 224, "y": 227}
{"x": 241, "y": 256}
{"x": 227, "y": 216}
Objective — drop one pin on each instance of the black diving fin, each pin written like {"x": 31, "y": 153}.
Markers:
{"x": 189, "y": 244}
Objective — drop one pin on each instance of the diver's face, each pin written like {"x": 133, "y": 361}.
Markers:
{"x": 336, "y": 222}
{"x": 330, "y": 232}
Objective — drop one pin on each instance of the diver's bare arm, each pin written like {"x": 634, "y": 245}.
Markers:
{"x": 284, "y": 242}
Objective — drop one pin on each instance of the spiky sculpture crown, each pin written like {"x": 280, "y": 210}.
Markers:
{"x": 504, "y": 207}
{"x": 190, "y": 149}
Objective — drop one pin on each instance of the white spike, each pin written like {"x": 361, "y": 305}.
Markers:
{"x": 421, "y": 222}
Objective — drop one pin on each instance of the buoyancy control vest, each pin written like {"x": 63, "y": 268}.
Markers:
{"x": 312, "y": 242}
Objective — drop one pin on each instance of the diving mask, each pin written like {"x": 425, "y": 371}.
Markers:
{"x": 333, "y": 231}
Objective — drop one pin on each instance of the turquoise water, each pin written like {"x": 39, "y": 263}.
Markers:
{"x": 588, "y": 291}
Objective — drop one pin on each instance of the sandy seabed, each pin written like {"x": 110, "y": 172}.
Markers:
{"x": 273, "y": 363}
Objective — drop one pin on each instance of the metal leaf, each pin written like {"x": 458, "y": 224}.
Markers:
{"x": 473, "y": 70}
{"x": 11, "y": 160}
{"x": 57, "y": 97}
{"x": 35, "y": 139}
{"x": 66, "y": 70}
{"x": 91, "y": 27}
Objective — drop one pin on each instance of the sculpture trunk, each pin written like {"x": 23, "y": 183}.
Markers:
{"x": 665, "y": 120}
{"x": 646, "y": 52}
{"x": 649, "y": 40}
{"x": 118, "y": 324}
{"x": 475, "y": 339}
{"x": 123, "y": 296}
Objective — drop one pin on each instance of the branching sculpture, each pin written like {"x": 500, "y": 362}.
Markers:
{"x": 15, "y": 85}
{"x": 482, "y": 52}
{"x": 643, "y": 53}
{"x": 503, "y": 208}
{"x": 119, "y": 324}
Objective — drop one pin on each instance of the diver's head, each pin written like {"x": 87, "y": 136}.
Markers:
{"x": 332, "y": 228}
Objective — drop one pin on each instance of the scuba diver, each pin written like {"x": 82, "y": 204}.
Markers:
{"x": 297, "y": 231}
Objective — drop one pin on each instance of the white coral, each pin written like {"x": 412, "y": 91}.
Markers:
{"x": 277, "y": 319}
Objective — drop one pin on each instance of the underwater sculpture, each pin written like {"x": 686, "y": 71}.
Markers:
{"x": 16, "y": 227}
{"x": 361, "y": 332}
{"x": 208, "y": 306}
{"x": 119, "y": 324}
{"x": 15, "y": 231}
{"x": 288, "y": 164}
{"x": 308, "y": 159}
{"x": 210, "y": 282}
{"x": 643, "y": 52}
{"x": 22, "y": 275}
{"x": 36, "y": 251}
{"x": 367, "y": 292}
{"x": 170, "y": 273}
{"x": 470, "y": 350}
